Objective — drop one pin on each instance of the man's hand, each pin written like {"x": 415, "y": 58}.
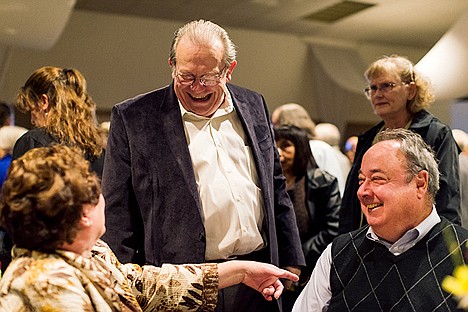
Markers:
{"x": 262, "y": 277}
{"x": 294, "y": 270}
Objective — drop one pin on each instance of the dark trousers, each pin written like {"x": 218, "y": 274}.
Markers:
{"x": 240, "y": 297}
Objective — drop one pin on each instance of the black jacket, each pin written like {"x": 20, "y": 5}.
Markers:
{"x": 323, "y": 203}
{"x": 39, "y": 137}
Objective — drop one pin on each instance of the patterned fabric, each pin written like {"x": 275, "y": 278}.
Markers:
{"x": 365, "y": 276}
{"x": 65, "y": 281}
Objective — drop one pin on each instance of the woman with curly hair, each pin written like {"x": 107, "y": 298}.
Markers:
{"x": 53, "y": 209}
{"x": 62, "y": 112}
{"x": 400, "y": 96}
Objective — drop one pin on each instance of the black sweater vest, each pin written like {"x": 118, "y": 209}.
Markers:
{"x": 365, "y": 276}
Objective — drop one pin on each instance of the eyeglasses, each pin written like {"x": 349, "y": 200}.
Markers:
{"x": 207, "y": 80}
{"x": 382, "y": 87}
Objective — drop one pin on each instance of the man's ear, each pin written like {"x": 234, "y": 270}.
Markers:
{"x": 422, "y": 183}
{"x": 230, "y": 70}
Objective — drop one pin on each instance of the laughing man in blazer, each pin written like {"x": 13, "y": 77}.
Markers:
{"x": 192, "y": 173}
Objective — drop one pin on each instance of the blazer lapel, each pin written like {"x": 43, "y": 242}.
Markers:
{"x": 249, "y": 121}
{"x": 175, "y": 134}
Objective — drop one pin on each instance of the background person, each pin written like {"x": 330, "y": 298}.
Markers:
{"x": 461, "y": 137}
{"x": 315, "y": 196}
{"x": 192, "y": 173}
{"x": 350, "y": 147}
{"x": 400, "y": 96}
{"x": 8, "y": 137}
{"x": 5, "y": 114}
{"x": 398, "y": 261}
{"x": 329, "y": 133}
{"x": 62, "y": 113}
{"x": 53, "y": 209}
{"x": 324, "y": 155}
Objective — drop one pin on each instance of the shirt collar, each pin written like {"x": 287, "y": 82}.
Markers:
{"x": 411, "y": 237}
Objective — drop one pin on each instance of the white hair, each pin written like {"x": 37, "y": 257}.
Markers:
{"x": 9, "y": 135}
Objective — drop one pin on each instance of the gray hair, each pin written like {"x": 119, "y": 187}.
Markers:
{"x": 294, "y": 114}
{"x": 328, "y": 132}
{"x": 204, "y": 32}
{"x": 419, "y": 156}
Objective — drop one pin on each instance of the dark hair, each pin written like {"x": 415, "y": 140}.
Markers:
{"x": 5, "y": 113}
{"x": 303, "y": 158}
{"x": 43, "y": 197}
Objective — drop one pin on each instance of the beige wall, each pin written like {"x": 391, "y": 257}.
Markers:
{"x": 124, "y": 56}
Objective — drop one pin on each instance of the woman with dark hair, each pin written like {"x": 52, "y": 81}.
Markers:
{"x": 315, "y": 196}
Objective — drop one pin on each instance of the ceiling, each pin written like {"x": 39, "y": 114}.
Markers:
{"x": 33, "y": 24}
{"x": 414, "y": 23}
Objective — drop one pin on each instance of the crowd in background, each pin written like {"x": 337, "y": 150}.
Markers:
{"x": 198, "y": 175}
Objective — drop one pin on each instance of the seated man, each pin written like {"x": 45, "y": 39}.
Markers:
{"x": 398, "y": 261}
{"x": 53, "y": 209}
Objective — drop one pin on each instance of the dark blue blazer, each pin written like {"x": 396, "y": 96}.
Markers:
{"x": 153, "y": 213}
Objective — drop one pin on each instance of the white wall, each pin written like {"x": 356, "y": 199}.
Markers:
{"x": 123, "y": 56}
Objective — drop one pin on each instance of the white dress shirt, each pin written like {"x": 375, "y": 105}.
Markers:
{"x": 227, "y": 183}
{"x": 316, "y": 294}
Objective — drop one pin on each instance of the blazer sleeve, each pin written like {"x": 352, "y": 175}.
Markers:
{"x": 124, "y": 224}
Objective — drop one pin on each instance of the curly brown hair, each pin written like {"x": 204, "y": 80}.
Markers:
{"x": 43, "y": 197}
{"x": 72, "y": 113}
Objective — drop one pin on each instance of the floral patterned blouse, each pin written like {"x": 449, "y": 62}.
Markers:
{"x": 65, "y": 281}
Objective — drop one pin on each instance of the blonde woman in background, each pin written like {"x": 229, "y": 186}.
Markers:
{"x": 400, "y": 96}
